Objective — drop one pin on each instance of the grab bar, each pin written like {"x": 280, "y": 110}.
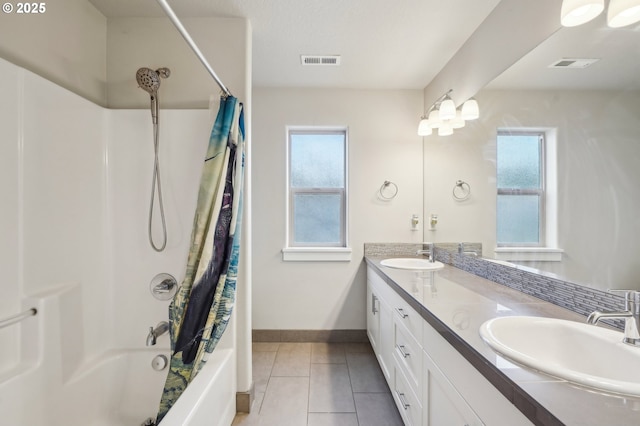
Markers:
{"x": 18, "y": 317}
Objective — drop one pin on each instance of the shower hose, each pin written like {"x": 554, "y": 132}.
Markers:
{"x": 156, "y": 184}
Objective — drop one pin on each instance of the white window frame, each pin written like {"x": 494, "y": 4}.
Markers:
{"x": 317, "y": 252}
{"x": 547, "y": 248}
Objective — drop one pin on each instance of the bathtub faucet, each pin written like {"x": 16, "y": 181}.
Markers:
{"x": 160, "y": 329}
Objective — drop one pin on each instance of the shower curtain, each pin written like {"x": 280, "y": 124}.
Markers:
{"x": 200, "y": 311}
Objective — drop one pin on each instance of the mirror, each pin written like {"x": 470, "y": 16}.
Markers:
{"x": 593, "y": 116}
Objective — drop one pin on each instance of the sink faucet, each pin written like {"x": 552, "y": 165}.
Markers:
{"x": 631, "y": 316}
{"x": 160, "y": 329}
{"x": 430, "y": 252}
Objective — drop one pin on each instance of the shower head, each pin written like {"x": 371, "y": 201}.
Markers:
{"x": 149, "y": 81}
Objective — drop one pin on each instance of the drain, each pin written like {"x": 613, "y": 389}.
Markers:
{"x": 159, "y": 363}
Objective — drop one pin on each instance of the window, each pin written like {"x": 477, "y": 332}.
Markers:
{"x": 317, "y": 176}
{"x": 520, "y": 213}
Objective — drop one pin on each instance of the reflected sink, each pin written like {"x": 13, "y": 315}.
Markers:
{"x": 415, "y": 263}
{"x": 580, "y": 353}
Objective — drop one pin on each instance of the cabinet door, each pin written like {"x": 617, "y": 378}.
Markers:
{"x": 442, "y": 404}
{"x": 373, "y": 318}
{"x": 385, "y": 355}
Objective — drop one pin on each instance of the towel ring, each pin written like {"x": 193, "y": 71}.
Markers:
{"x": 461, "y": 191}
{"x": 385, "y": 185}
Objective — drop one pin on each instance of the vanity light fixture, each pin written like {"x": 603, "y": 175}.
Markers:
{"x": 444, "y": 116}
{"x": 620, "y": 13}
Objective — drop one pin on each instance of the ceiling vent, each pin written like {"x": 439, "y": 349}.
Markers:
{"x": 320, "y": 60}
{"x": 573, "y": 63}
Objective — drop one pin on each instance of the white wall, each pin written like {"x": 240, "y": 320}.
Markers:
{"x": 383, "y": 145}
{"x": 66, "y": 44}
{"x": 54, "y": 210}
{"x": 154, "y": 42}
{"x": 598, "y": 157}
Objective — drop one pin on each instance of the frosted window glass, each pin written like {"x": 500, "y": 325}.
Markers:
{"x": 518, "y": 162}
{"x": 518, "y": 219}
{"x": 317, "y": 219}
{"x": 317, "y": 160}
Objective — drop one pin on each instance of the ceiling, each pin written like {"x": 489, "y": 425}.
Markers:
{"x": 384, "y": 44}
{"x": 391, "y": 44}
{"x": 618, "y": 67}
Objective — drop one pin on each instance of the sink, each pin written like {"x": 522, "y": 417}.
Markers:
{"x": 415, "y": 263}
{"x": 580, "y": 353}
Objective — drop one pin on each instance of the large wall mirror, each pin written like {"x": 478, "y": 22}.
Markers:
{"x": 590, "y": 116}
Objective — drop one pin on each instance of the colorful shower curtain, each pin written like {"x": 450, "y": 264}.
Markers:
{"x": 200, "y": 311}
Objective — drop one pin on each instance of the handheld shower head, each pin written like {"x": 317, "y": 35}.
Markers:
{"x": 149, "y": 81}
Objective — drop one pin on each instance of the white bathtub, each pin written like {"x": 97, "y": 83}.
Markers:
{"x": 116, "y": 388}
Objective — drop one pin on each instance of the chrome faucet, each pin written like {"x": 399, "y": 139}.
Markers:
{"x": 631, "y": 316}
{"x": 154, "y": 333}
{"x": 430, "y": 252}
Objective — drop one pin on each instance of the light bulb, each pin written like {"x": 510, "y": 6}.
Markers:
{"x": 470, "y": 110}
{"x": 447, "y": 109}
{"x": 445, "y": 130}
{"x": 434, "y": 119}
{"x": 578, "y": 12}
{"x": 423, "y": 127}
{"x": 458, "y": 121}
{"x": 623, "y": 12}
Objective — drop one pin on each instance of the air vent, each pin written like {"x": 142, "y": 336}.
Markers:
{"x": 320, "y": 60}
{"x": 573, "y": 63}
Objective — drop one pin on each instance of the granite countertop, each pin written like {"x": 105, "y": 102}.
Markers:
{"x": 456, "y": 303}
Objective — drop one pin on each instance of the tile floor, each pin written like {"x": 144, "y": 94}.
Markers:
{"x": 318, "y": 384}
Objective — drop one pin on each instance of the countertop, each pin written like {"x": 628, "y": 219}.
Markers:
{"x": 456, "y": 303}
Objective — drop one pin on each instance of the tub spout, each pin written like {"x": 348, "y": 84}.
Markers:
{"x": 160, "y": 329}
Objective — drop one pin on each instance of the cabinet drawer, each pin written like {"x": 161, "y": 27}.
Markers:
{"x": 408, "y": 403}
{"x": 408, "y": 354}
{"x": 408, "y": 317}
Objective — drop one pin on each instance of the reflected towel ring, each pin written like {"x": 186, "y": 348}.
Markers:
{"x": 461, "y": 191}
{"x": 393, "y": 191}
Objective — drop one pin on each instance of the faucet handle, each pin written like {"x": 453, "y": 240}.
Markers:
{"x": 631, "y": 298}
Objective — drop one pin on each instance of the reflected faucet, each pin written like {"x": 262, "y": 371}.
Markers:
{"x": 154, "y": 333}
{"x": 631, "y": 316}
{"x": 430, "y": 252}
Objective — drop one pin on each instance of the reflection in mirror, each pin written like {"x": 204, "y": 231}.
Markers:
{"x": 589, "y": 214}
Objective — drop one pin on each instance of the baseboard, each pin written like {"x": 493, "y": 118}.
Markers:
{"x": 315, "y": 336}
{"x": 244, "y": 400}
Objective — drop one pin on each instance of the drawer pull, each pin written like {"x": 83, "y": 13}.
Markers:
{"x": 402, "y": 351}
{"x": 400, "y": 312}
{"x": 402, "y": 399}
{"x": 374, "y": 299}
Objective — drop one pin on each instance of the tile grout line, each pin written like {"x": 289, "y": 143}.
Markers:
{"x": 355, "y": 407}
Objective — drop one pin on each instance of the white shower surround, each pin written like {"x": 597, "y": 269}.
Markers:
{"x": 76, "y": 187}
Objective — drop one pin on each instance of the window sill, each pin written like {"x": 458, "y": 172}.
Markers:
{"x": 316, "y": 254}
{"x": 523, "y": 254}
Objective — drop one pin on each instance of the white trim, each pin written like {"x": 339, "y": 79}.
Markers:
{"x": 316, "y": 254}
{"x": 520, "y": 254}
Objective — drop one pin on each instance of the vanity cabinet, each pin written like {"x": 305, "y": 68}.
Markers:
{"x": 431, "y": 383}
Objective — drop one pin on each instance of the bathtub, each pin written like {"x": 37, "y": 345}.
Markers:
{"x": 116, "y": 388}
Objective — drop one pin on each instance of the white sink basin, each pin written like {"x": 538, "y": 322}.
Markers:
{"x": 411, "y": 263}
{"x": 580, "y": 353}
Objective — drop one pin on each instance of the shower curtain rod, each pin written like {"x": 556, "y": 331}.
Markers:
{"x": 176, "y": 22}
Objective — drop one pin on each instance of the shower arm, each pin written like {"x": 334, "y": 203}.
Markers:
{"x": 183, "y": 31}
